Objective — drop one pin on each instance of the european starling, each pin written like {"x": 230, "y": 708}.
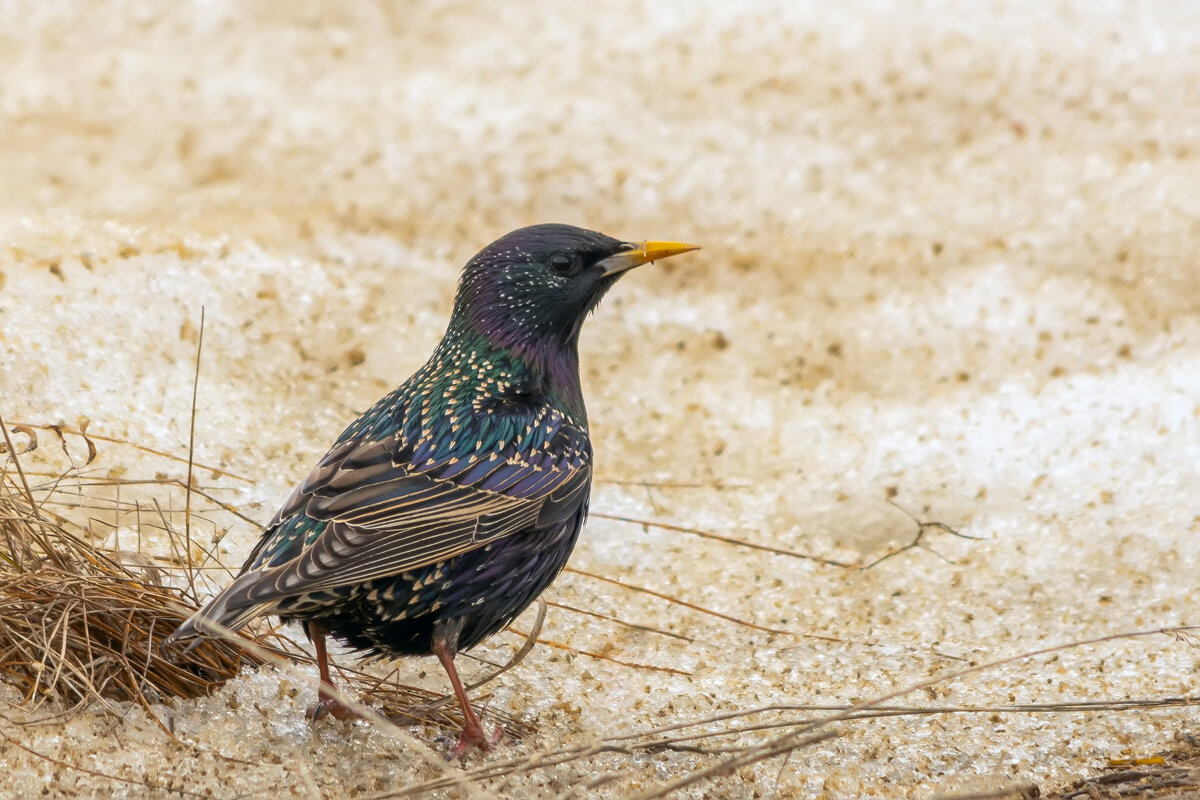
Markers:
{"x": 441, "y": 513}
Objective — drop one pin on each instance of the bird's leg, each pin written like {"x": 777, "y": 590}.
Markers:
{"x": 472, "y": 732}
{"x": 327, "y": 703}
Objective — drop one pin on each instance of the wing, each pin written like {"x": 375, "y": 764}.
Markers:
{"x": 378, "y": 507}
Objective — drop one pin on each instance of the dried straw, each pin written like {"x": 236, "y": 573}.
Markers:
{"x": 81, "y": 625}
{"x": 77, "y": 624}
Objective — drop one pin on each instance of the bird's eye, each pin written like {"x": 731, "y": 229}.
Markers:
{"x": 561, "y": 262}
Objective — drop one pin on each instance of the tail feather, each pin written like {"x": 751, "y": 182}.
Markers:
{"x": 216, "y": 619}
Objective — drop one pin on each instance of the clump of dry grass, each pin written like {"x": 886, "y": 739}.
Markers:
{"x": 81, "y": 624}
{"x": 76, "y": 637}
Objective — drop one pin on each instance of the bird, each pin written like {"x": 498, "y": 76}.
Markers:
{"x": 452, "y": 503}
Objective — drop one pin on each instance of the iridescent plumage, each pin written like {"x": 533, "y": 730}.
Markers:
{"x": 444, "y": 510}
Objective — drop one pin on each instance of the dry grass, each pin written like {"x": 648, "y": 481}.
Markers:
{"x": 81, "y": 625}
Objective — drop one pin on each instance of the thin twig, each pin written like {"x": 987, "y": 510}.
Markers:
{"x": 20, "y": 472}
{"x": 187, "y": 490}
{"x": 715, "y": 485}
{"x": 600, "y": 657}
{"x": 677, "y": 601}
{"x": 216, "y": 471}
{"x": 922, "y": 527}
{"x": 634, "y": 625}
{"x": 779, "y": 551}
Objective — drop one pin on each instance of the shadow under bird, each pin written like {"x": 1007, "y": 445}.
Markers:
{"x": 442, "y": 512}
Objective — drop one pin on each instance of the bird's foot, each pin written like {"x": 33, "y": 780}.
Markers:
{"x": 331, "y": 706}
{"x": 472, "y": 736}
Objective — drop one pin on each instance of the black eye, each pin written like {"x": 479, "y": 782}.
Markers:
{"x": 561, "y": 262}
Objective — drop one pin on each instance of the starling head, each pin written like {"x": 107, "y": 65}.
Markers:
{"x": 531, "y": 289}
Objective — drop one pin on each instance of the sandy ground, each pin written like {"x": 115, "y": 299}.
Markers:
{"x": 949, "y": 260}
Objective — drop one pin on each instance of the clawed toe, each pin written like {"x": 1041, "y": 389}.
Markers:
{"x": 471, "y": 736}
{"x": 332, "y": 707}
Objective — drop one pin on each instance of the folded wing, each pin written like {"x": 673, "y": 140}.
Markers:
{"x": 376, "y": 508}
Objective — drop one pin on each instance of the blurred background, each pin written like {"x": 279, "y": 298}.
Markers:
{"x": 949, "y": 262}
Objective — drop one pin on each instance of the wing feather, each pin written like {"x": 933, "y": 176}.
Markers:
{"x": 376, "y": 508}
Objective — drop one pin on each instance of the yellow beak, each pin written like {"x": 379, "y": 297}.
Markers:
{"x": 638, "y": 253}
